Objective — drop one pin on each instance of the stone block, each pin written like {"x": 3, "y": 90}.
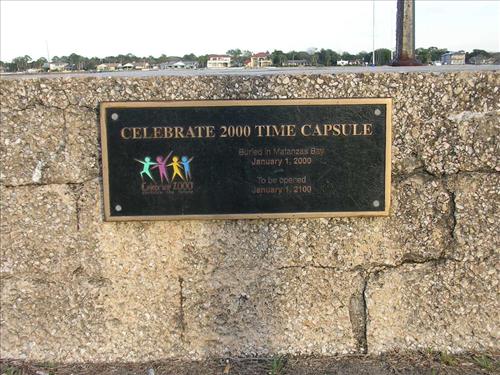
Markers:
{"x": 80, "y": 158}
{"x": 32, "y": 141}
{"x": 143, "y": 312}
{"x": 235, "y": 310}
{"x": 51, "y": 320}
{"x": 445, "y": 306}
{"x": 39, "y": 226}
{"x": 477, "y": 214}
{"x": 48, "y": 145}
{"x": 418, "y": 228}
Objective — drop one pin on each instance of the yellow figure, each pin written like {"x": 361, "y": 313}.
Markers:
{"x": 176, "y": 166}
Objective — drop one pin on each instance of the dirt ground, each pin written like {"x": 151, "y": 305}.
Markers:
{"x": 430, "y": 363}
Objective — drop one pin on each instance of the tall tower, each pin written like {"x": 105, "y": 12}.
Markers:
{"x": 405, "y": 34}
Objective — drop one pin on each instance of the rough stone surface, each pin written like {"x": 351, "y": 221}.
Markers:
{"x": 449, "y": 305}
{"x": 38, "y": 226}
{"x": 477, "y": 215}
{"x": 256, "y": 312}
{"x": 77, "y": 289}
{"x": 443, "y": 122}
{"x": 41, "y": 145}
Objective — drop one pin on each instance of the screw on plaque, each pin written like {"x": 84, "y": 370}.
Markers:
{"x": 118, "y": 208}
{"x": 114, "y": 116}
{"x": 378, "y": 112}
{"x": 376, "y": 203}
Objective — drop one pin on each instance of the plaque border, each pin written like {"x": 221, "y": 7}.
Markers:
{"x": 105, "y": 105}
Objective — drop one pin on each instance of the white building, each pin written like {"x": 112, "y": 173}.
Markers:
{"x": 128, "y": 66}
{"x": 453, "y": 58}
{"x": 297, "y": 63}
{"x": 108, "y": 67}
{"x": 218, "y": 61}
{"x": 181, "y": 64}
{"x": 141, "y": 65}
{"x": 57, "y": 66}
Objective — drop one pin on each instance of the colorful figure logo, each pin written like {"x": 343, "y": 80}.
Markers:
{"x": 178, "y": 167}
{"x": 147, "y": 163}
{"x": 187, "y": 168}
{"x": 162, "y": 167}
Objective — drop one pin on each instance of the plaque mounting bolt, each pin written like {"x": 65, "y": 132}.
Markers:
{"x": 376, "y": 203}
{"x": 114, "y": 116}
{"x": 118, "y": 208}
{"x": 377, "y": 112}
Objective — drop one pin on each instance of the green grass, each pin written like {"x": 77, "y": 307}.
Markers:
{"x": 11, "y": 371}
{"x": 484, "y": 362}
{"x": 447, "y": 359}
{"x": 277, "y": 365}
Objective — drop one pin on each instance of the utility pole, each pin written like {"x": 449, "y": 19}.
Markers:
{"x": 48, "y": 55}
{"x": 405, "y": 34}
{"x": 373, "y": 33}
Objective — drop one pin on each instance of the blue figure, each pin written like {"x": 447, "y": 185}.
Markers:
{"x": 187, "y": 169}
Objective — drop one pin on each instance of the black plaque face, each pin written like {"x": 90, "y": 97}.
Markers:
{"x": 246, "y": 159}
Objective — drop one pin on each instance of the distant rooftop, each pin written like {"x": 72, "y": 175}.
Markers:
{"x": 261, "y": 54}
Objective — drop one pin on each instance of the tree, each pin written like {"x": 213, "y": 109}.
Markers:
{"x": 278, "y": 58}
{"x": 477, "y": 52}
{"x": 202, "y": 61}
{"x": 382, "y": 56}
{"x": 190, "y": 57}
{"x": 347, "y": 56}
{"x": 327, "y": 57}
{"x": 315, "y": 58}
{"x": 77, "y": 61}
{"x": 235, "y": 56}
{"x": 39, "y": 64}
{"x": 163, "y": 58}
{"x": 423, "y": 55}
{"x": 245, "y": 55}
{"x": 93, "y": 62}
{"x": 21, "y": 63}
{"x": 436, "y": 53}
{"x": 476, "y": 55}
{"x": 428, "y": 55}
{"x": 298, "y": 55}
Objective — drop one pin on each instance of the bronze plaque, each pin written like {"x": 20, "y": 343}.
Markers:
{"x": 231, "y": 159}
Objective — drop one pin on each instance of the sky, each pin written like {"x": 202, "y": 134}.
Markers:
{"x": 104, "y": 28}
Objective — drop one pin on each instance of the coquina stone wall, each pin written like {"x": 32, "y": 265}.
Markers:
{"x": 75, "y": 288}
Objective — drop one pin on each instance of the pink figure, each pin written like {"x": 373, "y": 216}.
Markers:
{"x": 162, "y": 166}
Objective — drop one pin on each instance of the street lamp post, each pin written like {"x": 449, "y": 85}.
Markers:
{"x": 405, "y": 34}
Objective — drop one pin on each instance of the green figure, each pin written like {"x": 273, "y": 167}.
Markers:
{"x": 147, "y": 163}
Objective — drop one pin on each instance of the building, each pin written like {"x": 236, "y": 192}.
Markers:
{"x": 453, "y": 58}
{"x": 218, "y": 61}
{"x": 297, "y": 63}
{"x": 141, "y": 65}
{"x": 128, "y": 66}
{"x": 167, "y": 65}
{"x": 180, "y": 64}
{"x": 483, "y": 60}
{"x": 108, "y": 67}
{"x": 57, "y": 66}
{"x": 342, "y": 62}
{"x": 260, "y": 60}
